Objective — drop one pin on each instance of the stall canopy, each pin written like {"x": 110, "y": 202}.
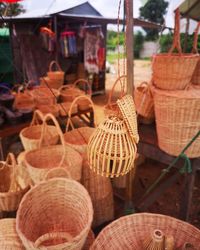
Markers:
{"x": 191, "y": 9}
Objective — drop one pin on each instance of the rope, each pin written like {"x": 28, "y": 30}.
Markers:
{"x": 186, "y": 168}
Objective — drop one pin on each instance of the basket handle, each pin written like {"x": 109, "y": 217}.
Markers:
{"x": 48, "y": 117}
{"x": 196, "y": 32}
{"x": 176, "y": 40}
{"x": 10, "y": 160}
{"x": 56, "y": 173}
{"x": 86, "y": 83}
{"x": 37, "y": 117}
{"x": 52, "y": 236}
{"x": 68, "y": 86}
{"x": 109, "y": 104}
{"x": 54, "y": 63}
{"x": 69, "y": 120}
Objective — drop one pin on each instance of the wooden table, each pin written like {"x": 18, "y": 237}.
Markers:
{"x": 7, "y": 130}
{"x": 148, "y": 146}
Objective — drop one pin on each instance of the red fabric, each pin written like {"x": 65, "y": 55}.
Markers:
{"x": 9, "y": 1}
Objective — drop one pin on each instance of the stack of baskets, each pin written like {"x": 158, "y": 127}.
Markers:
{"x": 176, "y": 100}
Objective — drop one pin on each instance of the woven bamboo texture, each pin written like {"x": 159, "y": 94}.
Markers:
{"x": 60, "y": 216}
{"x": 101, "y": 193}
{"x": 56, "y": 75}
{"x": 128, "y": 112}
{"x": 14, "y": 184}
{"x": 177, "y": 120}
{"x": 130, "y": 232}
{"x": 9, "y": 240}
{"x": 57, "y": 172}
{"x": 64, "y": 108}
{"x": 41, "y": 160}
{"x": 111, "y": 107}
{"x": 23, "y": 100}
{"x": 144, "y": 100}
{"x": 44, "y": 96}
{"x": 52, "y": 109}
{"x": 169, "y": 69}
{"x": 30, "y": 136}
{"x": 111, "y": 151}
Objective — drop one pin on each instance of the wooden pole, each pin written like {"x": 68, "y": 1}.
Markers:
{"x": 56, "y": 40}
{"x": 129, "y": 208}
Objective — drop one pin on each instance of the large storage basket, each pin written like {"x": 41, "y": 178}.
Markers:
{"x": 14, "y": 184}
{"x": 174, "y": 71}
{"x": 59, "y": 215}
{"x": 56, "y": 77}
{"x": 9, "y": 240}
{"x": 41, "y": 160}
{"x": 130, "y": 232}
{"x": 178, "y": 120}
{"x": 30, "y": 136}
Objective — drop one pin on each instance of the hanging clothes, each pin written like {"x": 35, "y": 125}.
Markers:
{"x": 68, "y": 44}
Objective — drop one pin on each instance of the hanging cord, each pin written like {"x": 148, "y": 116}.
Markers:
{"x": 186, "y": 168}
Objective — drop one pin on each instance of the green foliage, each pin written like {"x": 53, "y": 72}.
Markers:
{"x": 138, "y": 43}
{"x": 112, "y": 39}
{"x": 14, "y": 9}
{"x": 153, "y": 11}
{"x": 166, "y": 42}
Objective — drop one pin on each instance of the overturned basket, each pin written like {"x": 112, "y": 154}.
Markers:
{"x": 60, "y": 215}
{"x": 131, "y": 232}
{"x": 174, "y": 71}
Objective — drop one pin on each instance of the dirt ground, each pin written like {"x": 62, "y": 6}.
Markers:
{"x": 146, "y": 173}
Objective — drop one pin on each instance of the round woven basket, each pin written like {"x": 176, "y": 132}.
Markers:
{"x": 169, "y": 70}
{"x": 59, "y": 215}
{"x": 177, "y": 120}
{"x": 56, "y": 75}
{"x": 111, "y": 150}
{"x": 131, "y": 232}
{"x": 41, "y": 160}
{"x": 30, "y": 136}
{"x": 14, "y": 184}
{"x": 52, "y": 109}
{"x": 144, "y": 101}
{"x": 23, "y": 100}
{"x": 9, "y": 240}
{"x": 44, "y": 96}
{"x": 51, "y": 83}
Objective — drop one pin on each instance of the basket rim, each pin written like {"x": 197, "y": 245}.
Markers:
{"x": 51, "y": 181}
{"x": 176, "y": 55}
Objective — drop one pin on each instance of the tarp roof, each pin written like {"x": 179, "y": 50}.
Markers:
{"x": 191, "y": 9}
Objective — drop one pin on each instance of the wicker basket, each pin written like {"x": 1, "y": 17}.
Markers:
{"x": 60, "y": 215}
{"x": 174, "y": 71}
{"x": 177, "y": 120}
{"x": 69, "y": 92}
{"x": 51, "y": 83}
{"x": 44, "y": 96}
{"x": 14, "y": 184}
{"x": 30, "y": 136}
{"x": 57, "y": 76}
{"x": 144, "y": 101}
{"x": 64, "y": 108}
{"x": 52, "y": 109}
{"x": 57, "y": 173}
{"x": 196, "y": 75}
{"x": 89, "y": 241}
{"x": 130, "y": 232}
{"x": 23, "y": 100}
{"x": 111, "y": 151}
{"x": 9, "y": 239}
{"x": 111, "y": 107}
{"x": 41, "y": 160}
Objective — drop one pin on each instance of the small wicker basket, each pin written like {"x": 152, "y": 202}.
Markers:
{"x": 60, "y": 215}
{"x": 14, "y": 184}
{"x": 144, "y": 101}
{"x": 130, "y": 232}
{"x": 56, "y": 75}
{"x": 30, "y": 136}
{"x": 174, "y": 71}
{"x": 41, "y": 160}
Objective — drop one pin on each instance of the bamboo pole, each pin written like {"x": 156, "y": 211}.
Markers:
{"x": 129, "y": 208}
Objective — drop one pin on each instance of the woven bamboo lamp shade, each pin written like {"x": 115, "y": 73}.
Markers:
{"x": 111, "y": 151}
